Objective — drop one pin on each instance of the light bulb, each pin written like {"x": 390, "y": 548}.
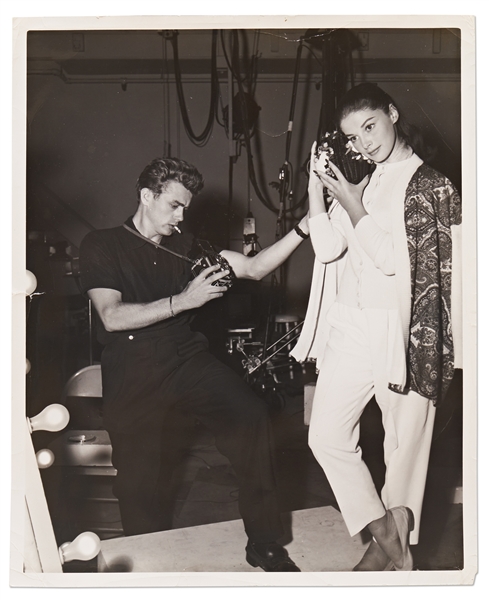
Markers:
{"x": 84, "y": 547}
{"x": 30, "y": 283}
{"x": 53, "y": 418}
{"x": 45, "y": 458}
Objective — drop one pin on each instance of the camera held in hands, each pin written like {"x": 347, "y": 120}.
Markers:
{"x": 338, "y": 149}
{"x": 208, "y": 258}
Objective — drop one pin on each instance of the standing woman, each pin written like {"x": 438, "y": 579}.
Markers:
{"x": 381, "y": 319}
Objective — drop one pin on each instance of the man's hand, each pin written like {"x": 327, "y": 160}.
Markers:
{"x": 117, "y": 315}
{"x": 200, "y": 290}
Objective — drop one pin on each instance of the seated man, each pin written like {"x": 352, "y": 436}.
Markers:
{"x": 139, "y": 279}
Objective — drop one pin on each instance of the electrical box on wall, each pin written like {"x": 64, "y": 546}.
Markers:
{"x": 249, "y": 235}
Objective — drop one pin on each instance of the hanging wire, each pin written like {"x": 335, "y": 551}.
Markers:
{"x": 233, "y": 63}
{"x": 166, "y": 102}
{"x": 202, "y": 138}
{"x": 311, "y": 51}
{"x": 287, "y": 170}
{"x": 345, "y": 65}
{"x": 220, "y": 105}
{"x": 229, "y": 61}
{"x": 254, "y": 61}
{"x": 235, "y": 69}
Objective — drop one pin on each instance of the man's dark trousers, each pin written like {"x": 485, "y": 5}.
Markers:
{"x": 141, "y": 385}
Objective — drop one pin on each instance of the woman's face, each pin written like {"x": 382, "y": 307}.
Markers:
{"x": 372, "y": 132}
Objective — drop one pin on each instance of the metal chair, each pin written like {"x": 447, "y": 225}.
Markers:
{"x": 84, "y": 449}
{"x": 86, "y": 382}
{"x": 82, "y": 395}
{"x": 85, "y": 444}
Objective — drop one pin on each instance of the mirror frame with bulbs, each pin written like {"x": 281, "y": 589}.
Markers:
{"x": 41, "y": 551}
{"x": 42, "y": 554}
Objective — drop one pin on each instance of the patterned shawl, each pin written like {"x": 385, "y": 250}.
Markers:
{"x": 432, "y": 206}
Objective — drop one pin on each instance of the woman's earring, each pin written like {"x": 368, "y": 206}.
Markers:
{"x": 394, "y": 113}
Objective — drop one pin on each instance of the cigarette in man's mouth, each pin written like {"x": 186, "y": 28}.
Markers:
{"x": 176, "y": 229}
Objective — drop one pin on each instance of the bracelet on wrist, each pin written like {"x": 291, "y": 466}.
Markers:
{"x": 171, "y": 307}
{"x": 300, "y": 233}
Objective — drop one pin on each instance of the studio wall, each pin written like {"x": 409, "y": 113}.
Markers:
{"x": 90, "y": 135}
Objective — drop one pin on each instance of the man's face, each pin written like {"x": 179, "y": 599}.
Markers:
{"x": 164, "y": 212}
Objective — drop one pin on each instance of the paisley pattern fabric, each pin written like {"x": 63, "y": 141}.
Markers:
{"x": 432, "y": 206}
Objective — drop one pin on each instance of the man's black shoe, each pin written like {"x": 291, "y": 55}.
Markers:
{"x": 270, "y": 557}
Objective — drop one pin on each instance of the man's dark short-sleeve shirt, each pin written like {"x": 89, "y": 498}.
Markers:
{"x": 116, "y": 259}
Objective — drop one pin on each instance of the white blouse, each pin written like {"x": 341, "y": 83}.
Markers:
{"x": 362, "y": 264}
{"x": 368, "y": 279}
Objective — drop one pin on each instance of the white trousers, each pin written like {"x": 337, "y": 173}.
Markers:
{"x": 353, "y": 370}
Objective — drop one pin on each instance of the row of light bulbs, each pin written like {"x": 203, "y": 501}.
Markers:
{"x": 55, "y": 417}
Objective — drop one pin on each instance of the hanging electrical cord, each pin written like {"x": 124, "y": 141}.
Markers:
{"x": 342, "y": 44}
{"x": 235, "y": 69}
{"x": 229, "y": 61}
{"x": 313, "y": 54}
{"x": 254, "y": 62}
{"x": 167, "y": 150}
{"x": 286, "y": 172}
{"x": 288, "y": 140}
{"x": 350, "y": 62}
{"x": 203, "y": 138}
{"x": 221, "y": 106}
{"x": 245, "y": 58}
{"x": 287, "y": 167}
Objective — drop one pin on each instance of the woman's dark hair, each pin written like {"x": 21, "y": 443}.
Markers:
{"x": 369, "y": 96}
{"x": 161, "y": 171}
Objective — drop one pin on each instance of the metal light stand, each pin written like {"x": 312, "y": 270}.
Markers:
{"x": 284, "y": 186}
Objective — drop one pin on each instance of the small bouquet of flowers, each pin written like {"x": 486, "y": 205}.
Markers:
{"x": 340, "y": 150}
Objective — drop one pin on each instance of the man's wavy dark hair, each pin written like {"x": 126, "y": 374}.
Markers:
{"x": 161, "y": 171}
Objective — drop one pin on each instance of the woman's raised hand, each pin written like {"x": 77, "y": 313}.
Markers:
{"x": 317, "y": 165}
{"x": 349, "y": 195}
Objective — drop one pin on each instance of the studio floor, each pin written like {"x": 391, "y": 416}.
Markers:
{"x": 206, "y": 494}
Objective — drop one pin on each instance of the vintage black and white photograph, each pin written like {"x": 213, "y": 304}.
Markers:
{"x": 246, "y": 250}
